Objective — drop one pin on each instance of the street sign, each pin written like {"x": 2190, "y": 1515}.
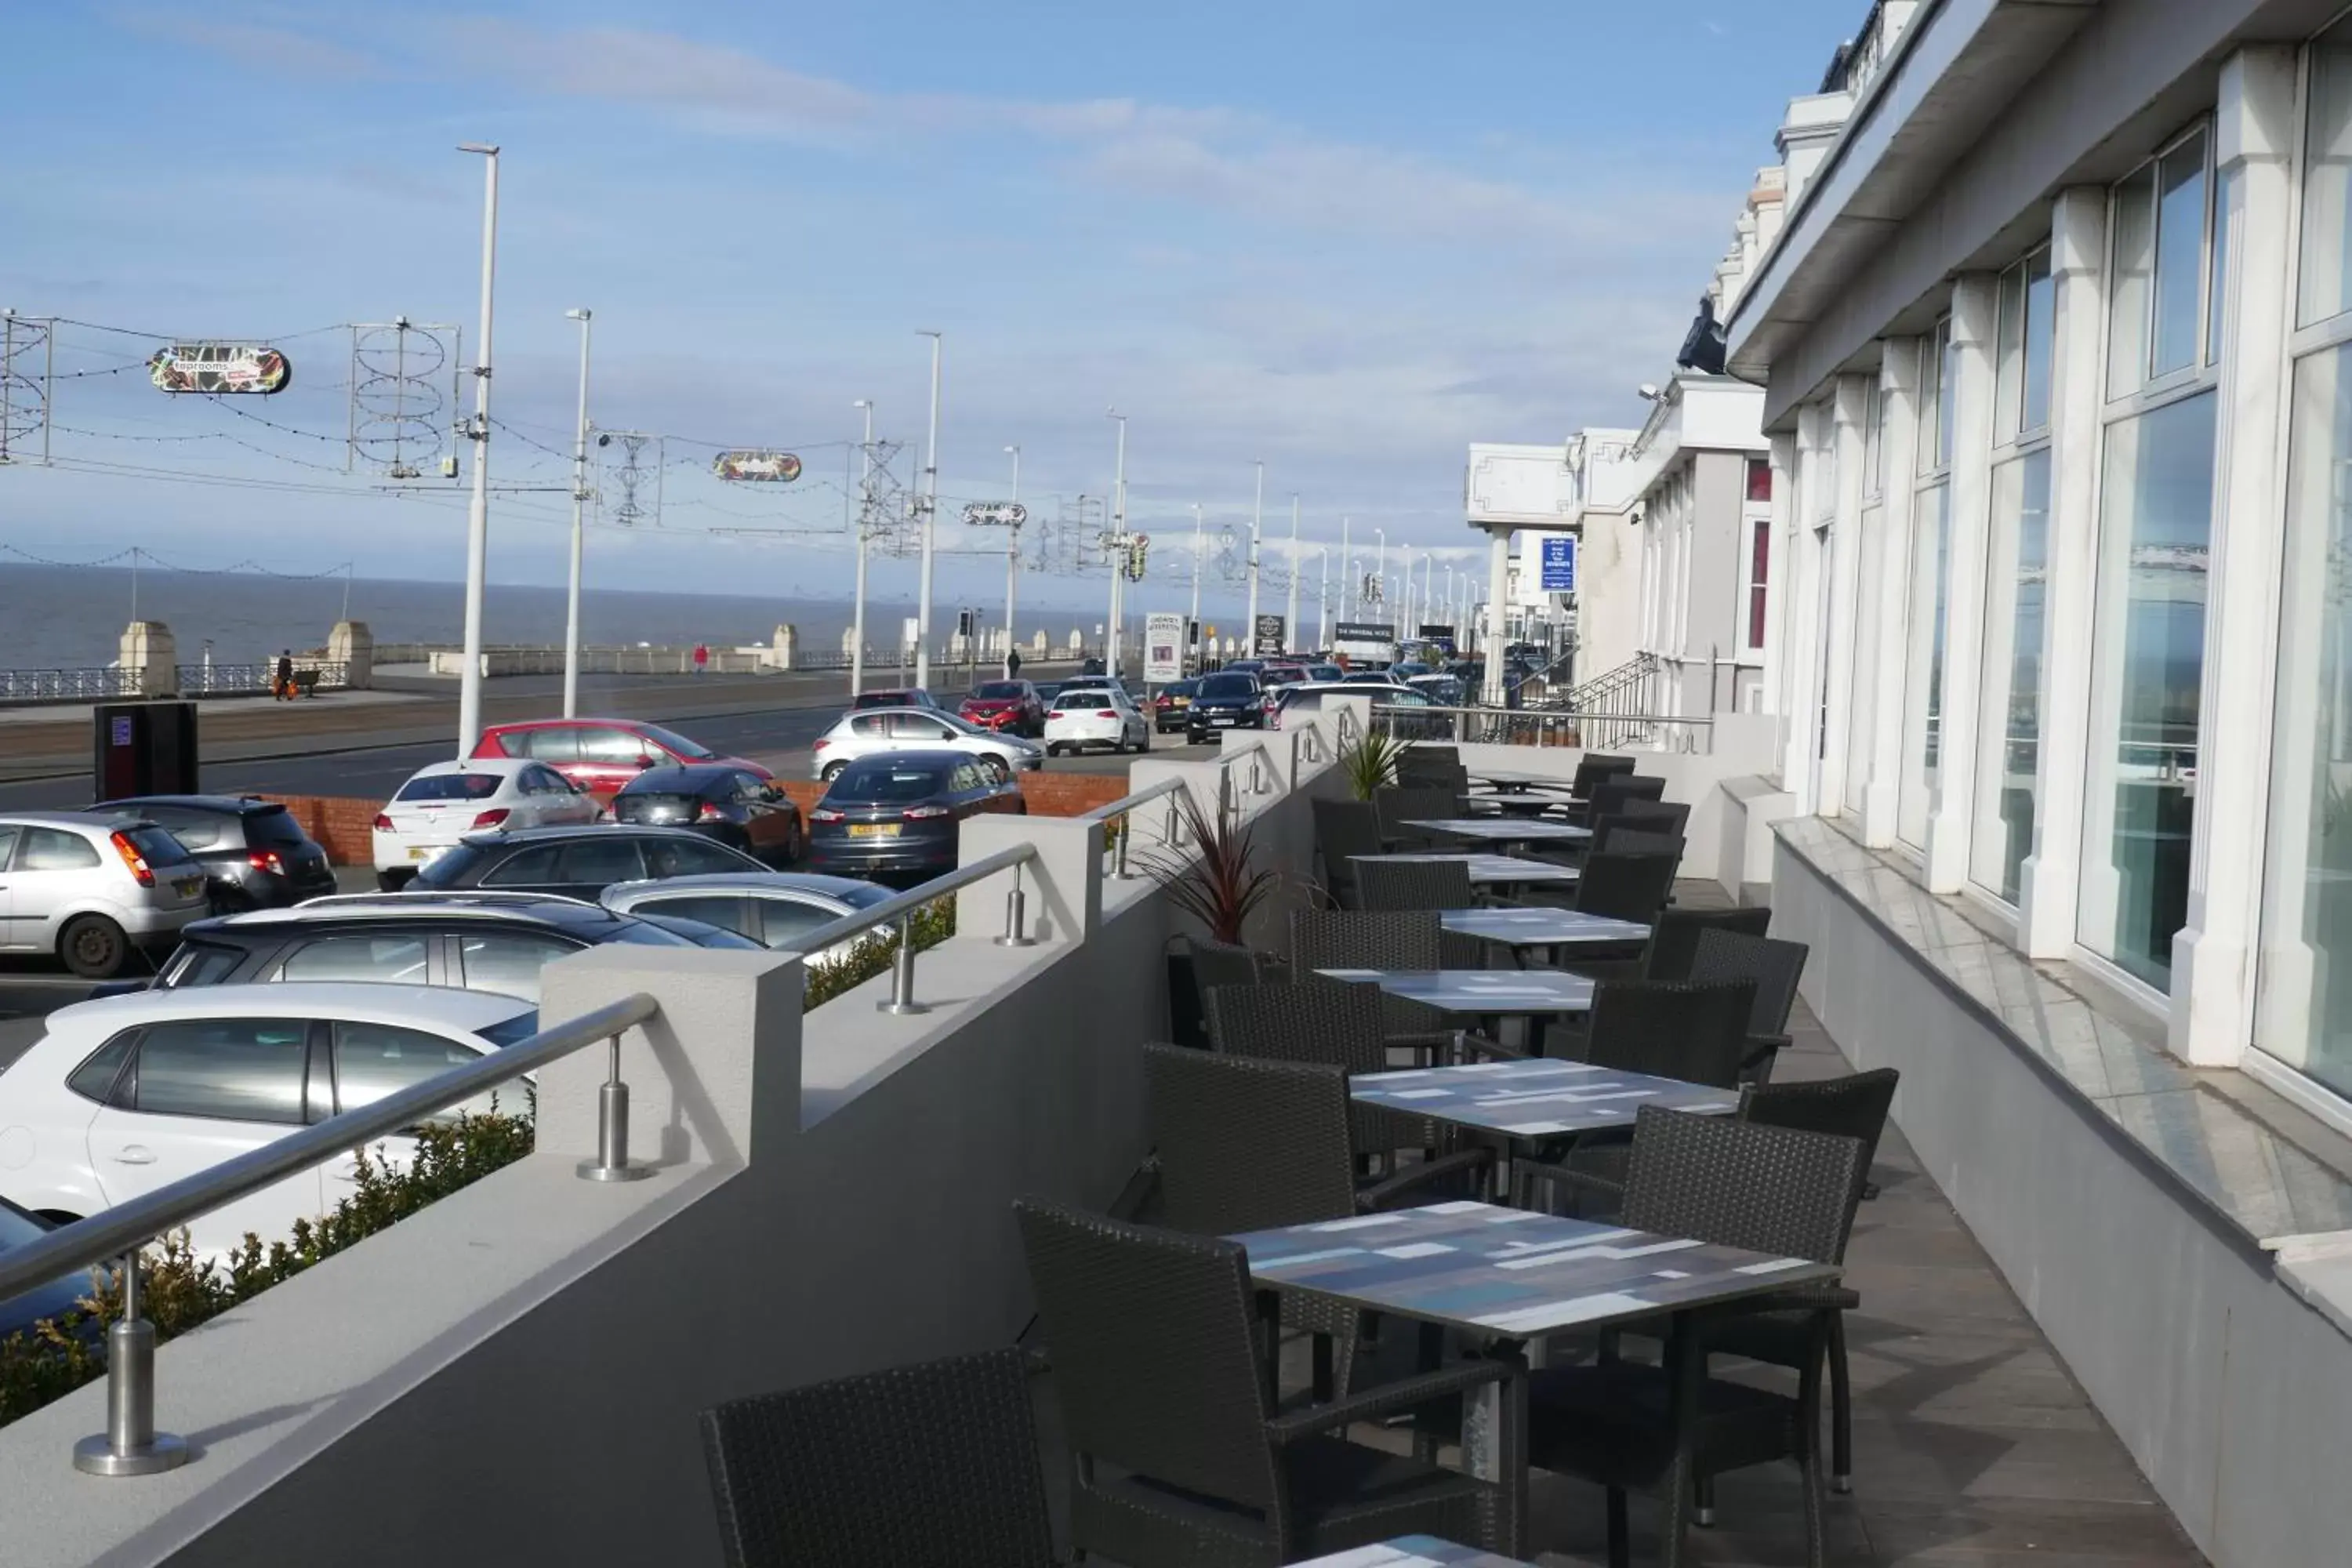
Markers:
{"x": 1559, "y": 564}
{"x": 995, "y": 514}
{"x": 209, "y": 367}
{"x": 1268, "y": 638}
{"x": 1364, "y": 631}
{"x": 1163, "y": 648}
{"x": 1437, "y": 634}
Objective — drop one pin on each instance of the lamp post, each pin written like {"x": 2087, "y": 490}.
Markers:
{"x": 478, "y": 521}
{"x": 1117, "y": 549}
{"x": 1012, "y": 557}
{"x": 1290, "y": 637}
{"x": 1192, "y": 627}
{"x": 1346, "y": 571}
{"x": 930, "y": 518}
{"x": 1380, "y": 571}
{"x": 1323, "y": 601}
{"x": 1257, "y": 518}
{"x": 579, "y": 528}
{"x": 857, "y": 614}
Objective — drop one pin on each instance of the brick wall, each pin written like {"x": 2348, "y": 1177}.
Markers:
{"x": 341, "y": 825}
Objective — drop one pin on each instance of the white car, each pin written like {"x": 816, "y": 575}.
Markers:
{"x": 1084, "y": 715}
{"x": 774, "y": 908}
{"x": 874, "y": 731}
{"x": 129, "y": 1094}
{"x": 446, "y": 801}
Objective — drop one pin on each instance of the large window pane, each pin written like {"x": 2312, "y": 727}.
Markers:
{"x": 2148, "y": 659}
{"x": 2041, "y": 326}
{"x": 1924, "y": 666}
{"x": 2304, "y": 1016}
{"x": 2011, "y": 723}
{"x": 235, "y": 1070}
{"x": 2133, "y": 265}
{"x": 2326, "y": 273}
{"x": 1931, "y": 398}
{"x": 2179, "y": 256}
{"x": 2009, "y": 348}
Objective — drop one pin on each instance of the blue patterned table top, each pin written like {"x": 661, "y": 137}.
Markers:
{"x": 1489, "y": 993}
{"x": 1489, "y": 868}
{"x": 1537, "y": 1099}
{"x": 1510, "y": 1272}
{"x": 1541, "y": 926}
{"x": 1416, "y": 1552}
{"x": 1525, "y": 781}
{"x": 1503, "y": 830}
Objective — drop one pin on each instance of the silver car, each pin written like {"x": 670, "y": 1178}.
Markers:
{"x": 94, "y": 890}
{"x": 774, "y": 908}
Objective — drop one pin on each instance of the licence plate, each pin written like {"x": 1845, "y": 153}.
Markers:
{"x": 873, "y": 830}
{"x": 187, "y": 887}
{"x": 419, "y": 852}
{"x": 1221, "y": 718}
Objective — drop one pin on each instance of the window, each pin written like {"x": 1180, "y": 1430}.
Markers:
{"x": 600, "y": 861}
{"x": 870, "y": 725}
{"x": 1759, "y": 480}
{"x": 461, "y": 787}
{"x": 2325, "y": 286}
{"x": 53, "y": 850}
{"x": 2132, "y": 240}
{"x": 8, "y": 836}
{"x": 612, "y": 747}
{"x": 398, "y": 957}
{"x": 558, "y": 744}
{"x": 1936, "y": 400}
{"x": 2010, "y": 728}
{"x": 908, "y": 725}
{"x": 783, "y": 921}
{"x": 200, "y": 964}
{"x": 1923, "y": 703}
{"x": 733, "y": 914}
{"x": 2147, "y": 662}
{"x": 373, "y": 1060}
{"x": 2021, "y": 388}
{"x": 2162, "y": 225}
{"x": 233, "y": 1069}
{"x": 508, "y": 963}
{"x": 680, "y": 857}
{"x": 194, "y": 829}
{"x": 1874, "y": 436}
{"x": 525, "y": 867}
{"x": 1759, "y": 564}
{"x": 94, "y": 1080}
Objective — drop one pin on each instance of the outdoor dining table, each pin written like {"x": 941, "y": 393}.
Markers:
{"x": 1519, "y": 802}
{"x": 1543, "y": 930}
{"x": 1487, "y": 993}
{"x": 1505, "y": 833}
{"x": 1492, "y": 871}
{"x": 1539, "y": 1098}
{"x": 1416, "y": 1552}
{"x": 1500, "y": 1277}
{"x": 1524, "y": 781}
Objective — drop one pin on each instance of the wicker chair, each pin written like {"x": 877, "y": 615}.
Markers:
{"x": 1674, "y": 937}
{"x": 1620, "y": 835}
{"x": 1654, "y": 815}
{"x": 1390, "y": 885}
{"x": 1216, "y": 963}
{"x": 1775, "y": 967}
{"x": 1611, "y": 791}
{"x": 1343, "y": 829}
{"x": 1627, "y": 887}
{"x": 1389, "y": 938}
{"x": 1399, "y": 806}
{"x": 1591, "y": 768}
{"x": 1178, "y": 1454}
{"x": 933, "y": 1466}
{"x": 1665, "y": 1430}
{"x": 1423, "y": 764}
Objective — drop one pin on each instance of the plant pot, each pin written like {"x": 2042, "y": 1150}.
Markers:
{"x": 1186, "y": 1027}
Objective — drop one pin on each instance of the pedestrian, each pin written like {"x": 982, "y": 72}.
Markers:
{"x": 701, "y": 658}
{"x": 286, "y": 675}
{"x": 1011, "y": 663}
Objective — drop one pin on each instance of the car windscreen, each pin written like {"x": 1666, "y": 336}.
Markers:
{"x": 997, "y": 691}
{"x": 1084, "y": 697}
{"x": 273, "y": 825}
{"x": 449, "y": 869}
{"x": 513, "y": 1031}
{"x": 645, "y": 933}
{"x": 451, "y": 786}
{"x": 158, "y": 848}
{"x": 675, "y": 741}
{"x": 1228, "y": 686}
{"x": 886, "y": 784}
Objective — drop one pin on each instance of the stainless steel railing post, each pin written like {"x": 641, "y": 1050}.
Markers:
{"x": 612, "y": 1161}
{"x": 1118, "y": 856}
{"x": 130, "y": 1446}
{"x": 902, "y": 973}
{"x": 1017, "y": 916}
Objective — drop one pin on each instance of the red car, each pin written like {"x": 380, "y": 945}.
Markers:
{"x": 599, "y": 755}
{"x": 1005, "y": 705}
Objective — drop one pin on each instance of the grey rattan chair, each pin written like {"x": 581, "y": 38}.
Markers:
{"x": 1591, "y": 768}
{"x": 1387, "y": 938}
{"x": 1674, "y": 937}
{"x": 1627, "y": 887}
{"x": 1344, "y": 829}
{"x": 1654, "y": 815}
{"x": 1390, "y": 885}
{"x": 1216, "y": 963}
{"x": 1613, "y": 791}
{"x": 1664, "y": 1429}
{"x": 1776, "y": 967}
{"x": 1426, "y": 764}
{"x": 933, "y": 1466}
{"x": 1399, "y": 806}
{"x": 1177, "y": 1453}
{"x": 1618, "y": 835}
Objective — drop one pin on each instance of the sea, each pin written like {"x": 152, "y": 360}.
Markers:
{"x": 59, "y": 618}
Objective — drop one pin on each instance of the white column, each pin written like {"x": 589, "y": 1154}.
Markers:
{"x": 1801, "y": 640}
{"x": 2212, "y": 973}
{"x": 1776, "y": 572}
{"x": 1499, "y": 566}
{"x": 2049, "y": 880}
{"x": 1969, "y": 501}
{"x": 1849, "y": 411}
{"x": 1889, "y": 585}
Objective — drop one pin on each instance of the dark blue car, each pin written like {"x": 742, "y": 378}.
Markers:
{"x": 893, "y": 816}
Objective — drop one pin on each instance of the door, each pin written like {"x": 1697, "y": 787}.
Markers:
{"x": 552, "y": 802}
{"x": 771, "y": 822}
{"x": 199, "y": 1091}
{"x": 52, "y": 870}
{"x": 728, "y": 912}
{"x": 505, "y": 961}
{"x": 608, "y": 759}
{"x": 371, "y": 1060}
{"x": 8, "y": 936}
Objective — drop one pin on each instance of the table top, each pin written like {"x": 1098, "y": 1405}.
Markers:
{"x": 1534, "y": 1098}
{"x": 1416, "y": 1552}
{"x": 1506, "y": 870}
{"x": 1491, "y": 991}
{"x": 1511, "y": 1272}
{"x": 1531, "y": 781}
{"x": 1503, "y": 830}
{"x": 1539, "y": 925}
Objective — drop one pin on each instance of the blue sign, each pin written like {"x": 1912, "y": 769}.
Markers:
{"x": 1559, "y": 564}
{"x": 119, "y": 733}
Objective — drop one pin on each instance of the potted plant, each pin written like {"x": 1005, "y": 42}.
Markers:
{"x": 1368, "y": 762}
{"x": 1214, "y": 879}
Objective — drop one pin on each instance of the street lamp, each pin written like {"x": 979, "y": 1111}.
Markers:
{"x": 1012, "y": 554}
{"x": 579, "y": 527}
{"x": 478, "y": 521}
{"x": 1257, "y": 516}
{"x": 857, "y": 615}
{"x": 930, "y": 517}
{"x": 1118, "y": 547}
{"x": 1291, "y": 638}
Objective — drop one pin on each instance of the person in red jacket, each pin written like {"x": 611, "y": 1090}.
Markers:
{"x": 701, "y": 658}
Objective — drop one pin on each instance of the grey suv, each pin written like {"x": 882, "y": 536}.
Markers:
{"x": 94, "y": 890}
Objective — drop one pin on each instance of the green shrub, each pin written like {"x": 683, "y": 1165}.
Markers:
{"x": 875, "y": 953}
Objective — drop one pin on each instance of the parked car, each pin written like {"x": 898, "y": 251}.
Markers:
{"x": 1442, "y": 690}
{"x": 474, "y": 941}
{"x": 51, "y": 1299}
{"x": 908, "y": 729}
{"x": 740, "y": 810}
{"x": 1372, "y": 678}
{"x": 254, "y": 855}
{"x": 1325, "y": 672}
{"x": 1001, "y": 706}
{"x": 1228, "y": 700}
{"x": 95, "y": 890}
{"x": 1395, "y": 708}
{"x": 774, "y": 910}
{"x": 443, "y": 802}
{"x": 599, "y": 755}
{"x": 576, "y": 862}
{"x": 125, "y": 1095}
{"x": 1091, "y": 667}
{"x": 1169, "y": 704}
{"x": 1047, "y": 691}
{"x": 1096, "y": 715}
{"x": 895, "y": 697}
{"x": 895, "y": 815}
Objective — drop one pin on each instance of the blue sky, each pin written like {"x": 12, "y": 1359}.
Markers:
{"x": 1346, "y": 237}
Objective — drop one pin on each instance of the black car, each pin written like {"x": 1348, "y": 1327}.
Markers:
{"x": 739, "y": 809}
{"x": 1228, "y": 700}
{"x": 894, "y": 814}
{"x": 254, "y": 855}
{"x": 1169, "y": 704}
{"x": 575, "y": 862}
{"x": 53, "y": 1300}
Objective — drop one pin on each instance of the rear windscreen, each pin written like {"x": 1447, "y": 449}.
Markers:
{"x": 451, "y": 786}
{"x": 275, "y": 825}
{"x": 997, "y": 690}
{"x": 885, "y": 784}
{"x": 156, "y": 846}
{"x": 449, "y": 869}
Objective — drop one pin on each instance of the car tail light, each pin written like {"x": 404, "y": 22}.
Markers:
{"x": 267, "y": 860}
{"x": 710, "y": 812}
{"x": 926, "y": 812}
{"x": 133, "y": 859}
{"x": 491, "y": 818}
{"x": 1056, "y": 713}
{"x": 821, "y": 744}
{"x": 1108, "y": 713}
{"x": 382, "y": 823}
{"x": 827, "y": 813}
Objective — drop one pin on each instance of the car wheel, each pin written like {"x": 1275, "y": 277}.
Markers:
{"x": 393, "y": 881}
{"x": 833, "y": 770}
{"x": 795, "y": 843}
{"x": 93, "y": 947}
{"x": 997, "y": 772}
{"x": 1142, "y": 741}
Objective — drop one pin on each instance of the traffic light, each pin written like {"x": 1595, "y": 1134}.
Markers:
{"x": 964, "y": 620}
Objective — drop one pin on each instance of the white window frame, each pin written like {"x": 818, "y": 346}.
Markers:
{"x": 2204, "y": 369}
{"x": 1753, "y": 515}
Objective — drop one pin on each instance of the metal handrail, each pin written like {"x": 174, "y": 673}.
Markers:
{"x": 903, "y": 907}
